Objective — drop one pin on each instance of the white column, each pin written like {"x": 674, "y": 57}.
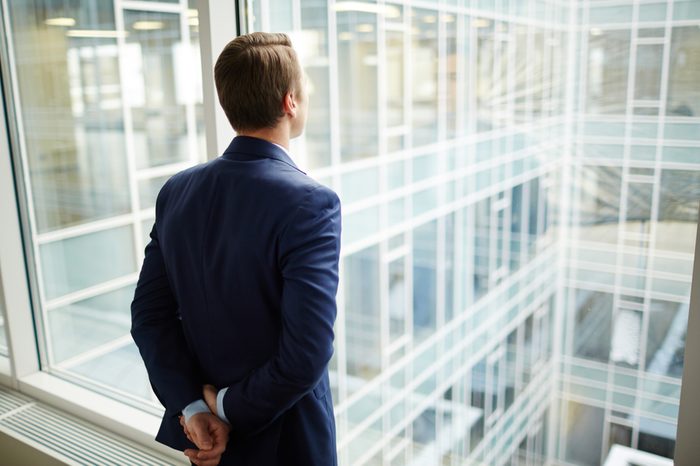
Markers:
{"x": 218, "y": 24}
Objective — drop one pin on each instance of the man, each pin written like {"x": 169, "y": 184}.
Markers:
{"x": 234, "y": 308}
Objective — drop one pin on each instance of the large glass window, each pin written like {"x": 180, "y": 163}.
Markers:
{"x": 110, "y": 106}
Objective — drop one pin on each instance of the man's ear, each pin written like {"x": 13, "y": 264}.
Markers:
{"x": 290, "y": 104}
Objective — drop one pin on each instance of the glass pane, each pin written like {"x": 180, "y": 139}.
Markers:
{"x": 362, "y": 318}
{"x": 155, "y": 95}
{"x": 357, "y": 82}
{"x": 87, "y": 324}
{"x": 684, "y": 68}
{"x": 313, "y": 52}
{"x": 482, "y": 248}
{"x": 608, "y": 62}
{"x": 424, "y": 52}
{"x": 397, "y": 298}
{"x": 593, "y": 325}
{"x": 484, "y": 74}
{"x": 77, "y": 263}
{"x": 424, "y": 280}
{"x": 599, "y": 203}
{"x": 648, "y": 77}
{"x": 395, "y": 51}
{"x": 584, "y": 441}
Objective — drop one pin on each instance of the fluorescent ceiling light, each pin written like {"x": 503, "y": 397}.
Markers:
{"x": 596, "y": 31}
{"x": 192, "y": 12}
{"x": 345, "y": 36}
{"x": 148, "y": 25}
{"x": 448, "y": 18}
{"x": 481, "y": 23}
{"x": 194, "y": 21}
{"x": 364, "y": 28}
{"x": 96, "y": 33}
{"x": 429, "y": 19}
{"x": 390, "y": 11}
{"x": 63, "y": 21}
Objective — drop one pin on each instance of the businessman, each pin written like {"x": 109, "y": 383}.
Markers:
{"x": 234, "y": 308}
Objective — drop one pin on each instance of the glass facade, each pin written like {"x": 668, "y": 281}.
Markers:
{"x": 635, "y": 177}
{"x": 520, "y": 184}
{"x": 445, "y": 131}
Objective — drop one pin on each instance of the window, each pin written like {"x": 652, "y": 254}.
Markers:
{"x": 109, "y": 110}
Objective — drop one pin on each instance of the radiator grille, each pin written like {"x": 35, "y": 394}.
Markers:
{"x": 70, "y": 439}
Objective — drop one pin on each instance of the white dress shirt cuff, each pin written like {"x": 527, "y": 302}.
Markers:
{"x": 220, "y": 405}
{"x": 198, "y": 406}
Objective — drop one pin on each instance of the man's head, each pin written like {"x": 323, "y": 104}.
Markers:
{"x": 260, "y": 83}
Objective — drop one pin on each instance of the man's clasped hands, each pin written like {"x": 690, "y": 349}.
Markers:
{"x": 207, "y": 432}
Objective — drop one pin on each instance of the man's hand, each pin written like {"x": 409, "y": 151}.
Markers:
{"x": 210, "y": 393}
{"x": 209, "y": 434}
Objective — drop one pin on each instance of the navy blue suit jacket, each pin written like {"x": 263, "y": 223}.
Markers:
{"x": 237, "y": 289}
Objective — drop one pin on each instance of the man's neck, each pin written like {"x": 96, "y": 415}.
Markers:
{"x": 276, "y": 135}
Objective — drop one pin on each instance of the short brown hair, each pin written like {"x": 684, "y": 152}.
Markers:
{"x": 252, "y": 76}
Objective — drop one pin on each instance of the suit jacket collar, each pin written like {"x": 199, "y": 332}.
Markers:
{"x": 257, "y": 147}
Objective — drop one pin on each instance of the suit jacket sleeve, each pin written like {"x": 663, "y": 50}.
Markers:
{"x": 309, "y": 249}
{"x": 157, "y": 331}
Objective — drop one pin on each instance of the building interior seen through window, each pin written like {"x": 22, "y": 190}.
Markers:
{"x": 519, "y": 179}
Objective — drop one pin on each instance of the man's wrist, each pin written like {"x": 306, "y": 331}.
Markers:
{"x": 220, "y": 405}
{"x": 197, "y": 406}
